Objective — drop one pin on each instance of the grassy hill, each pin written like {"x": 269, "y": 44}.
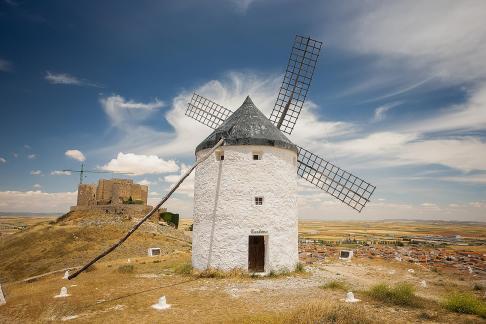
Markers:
{"x": 77, "y": 237}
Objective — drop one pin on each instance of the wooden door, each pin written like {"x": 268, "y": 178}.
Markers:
{"x": 256, "y": 253}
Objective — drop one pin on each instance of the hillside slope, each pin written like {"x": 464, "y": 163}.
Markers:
{"x": 76, "y": 238}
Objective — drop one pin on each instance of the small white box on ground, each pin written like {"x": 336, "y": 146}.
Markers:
{"x": 153, "y": 251}
{"x": 345, "y": 255}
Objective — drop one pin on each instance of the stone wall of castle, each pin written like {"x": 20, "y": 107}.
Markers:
{"x": 86, "y": 195}
{"x": 111, "y": 192}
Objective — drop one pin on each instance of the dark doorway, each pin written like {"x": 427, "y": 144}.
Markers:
{"x": 256, "y": 253}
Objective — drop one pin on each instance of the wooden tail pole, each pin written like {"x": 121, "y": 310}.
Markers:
{"x": 136, "y": 226}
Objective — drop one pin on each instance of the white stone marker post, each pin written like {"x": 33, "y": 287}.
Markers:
{"x": 2, "y": 297}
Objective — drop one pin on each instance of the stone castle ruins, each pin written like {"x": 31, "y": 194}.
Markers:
{"x": 112, "y": 192}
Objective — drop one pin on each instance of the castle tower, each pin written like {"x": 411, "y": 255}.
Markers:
{"x": 245, "y": 205}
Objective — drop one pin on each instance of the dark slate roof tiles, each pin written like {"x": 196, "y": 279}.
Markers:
{"x": 248, "y": 126}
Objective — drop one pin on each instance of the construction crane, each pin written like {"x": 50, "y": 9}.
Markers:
{"x": 83, "y": 171}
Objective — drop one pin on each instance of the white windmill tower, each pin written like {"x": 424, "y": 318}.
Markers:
{"x": 245, "y": 208}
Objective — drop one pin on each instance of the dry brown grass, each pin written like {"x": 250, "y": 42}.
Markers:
{"x": 195, "y": 298}
{"x": 126, "y": 268}
{"x": 220, "y": 274}
{"x": 335, "y": 284}
{"x": 48, "y": 247}
{"x": 324, "y": 312}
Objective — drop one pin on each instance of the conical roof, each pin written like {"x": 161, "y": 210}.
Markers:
{"x": 248, "y": 126}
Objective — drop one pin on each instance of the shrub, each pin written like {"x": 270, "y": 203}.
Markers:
{"x": 170, "y": 218}
{"x": 183, "y": 269}
{"x": 402, "y": 294}
{"x": 299, "y": 267}
{"x": 211, "y": 273}
{"x": 319, "y": 312}
{"x": 283, "y": 272}
{"x": 217, "y": 273}
{"x": 466, "y": 303}
{"x": 335, "y": 284}
{"x": 126, "y": 268}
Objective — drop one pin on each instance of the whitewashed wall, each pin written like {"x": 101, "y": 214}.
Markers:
{"x": 225, "y": 212}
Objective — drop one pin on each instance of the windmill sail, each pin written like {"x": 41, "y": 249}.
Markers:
{"x": 207, "y": 112}
{"x": 353, "y": 191}
{"x": 296, "y": 83}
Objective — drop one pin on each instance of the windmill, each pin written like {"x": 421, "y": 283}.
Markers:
{"x": 82, "y": 171}
{"x": 257, "y": 161}
{"x": 245, "y": 197}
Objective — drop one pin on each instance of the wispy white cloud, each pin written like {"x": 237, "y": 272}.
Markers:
{"x": 67, "y": 79}
{"x": 320, "y": 206}
{"x": 60, "y": 173}
{"x": 446, "y": 39}
{"x": 400, "y": 91}
{"x": 185, "y": 133}
{"x": 470, "y": 115}
{"x": 144, "y": 182}
{"x": 140, "y": 164}
{"x": 466, "y": 178}
{"x": 187, "y": 187}
{"x": 38, "y": 201}
{"x": 122, "y": 112}
{"x": 463, "y": 153}
{"x": 5, "y": 66}
{"x": 37, "y": 186}
{"x": 380, "y": 112}
{"x": 387, "y": 149}
{"x": 478, "y": 204}
{"x": 75, "y": 154}
{"x": 36, "y": 172}
{"x": 242, "y": 5}
{"x": 32, "y": 156}
{"x": 2, "y": 160}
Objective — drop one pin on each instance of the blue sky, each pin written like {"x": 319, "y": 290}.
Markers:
{"x": 398, "y": 98}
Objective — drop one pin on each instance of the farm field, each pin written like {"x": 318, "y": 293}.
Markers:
{"x": 339, "y": 230}
{"x": 10, "y": 224}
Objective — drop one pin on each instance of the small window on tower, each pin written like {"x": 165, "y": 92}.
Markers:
{"x": 257, "y": 156}
{"x": 258, "y": 201}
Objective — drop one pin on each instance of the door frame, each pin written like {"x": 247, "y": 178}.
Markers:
{"x": 265, "y": 251}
